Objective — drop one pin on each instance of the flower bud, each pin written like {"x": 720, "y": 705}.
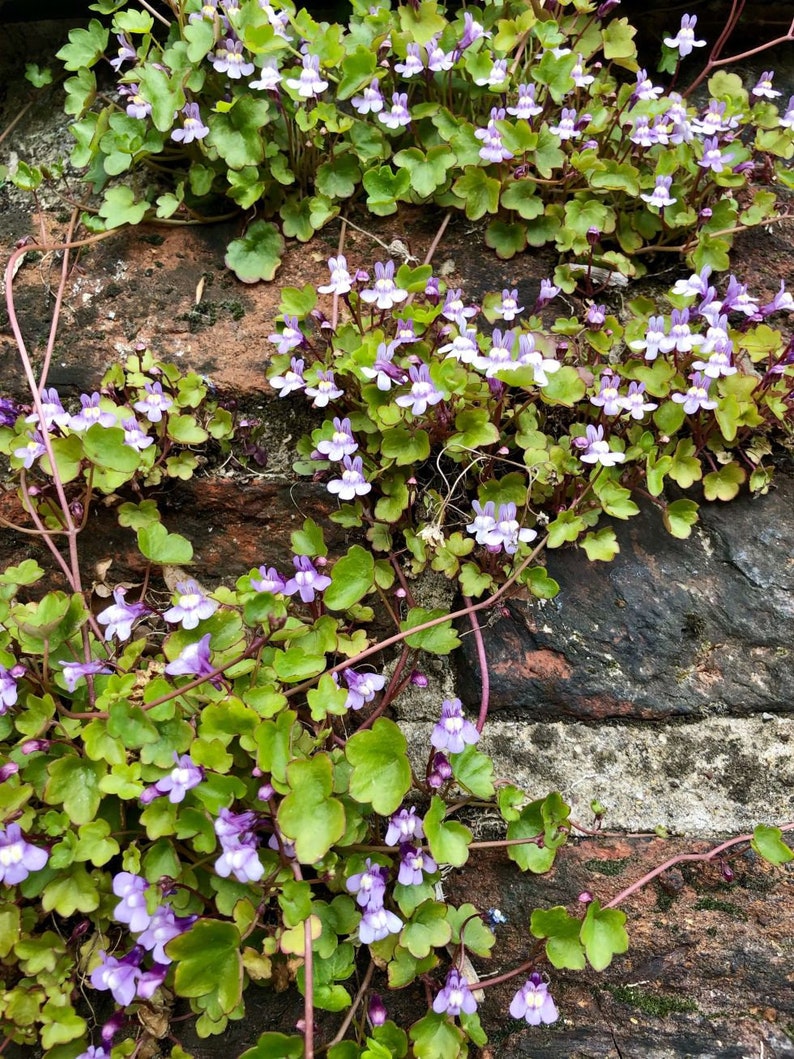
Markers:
{"x": 265, "y": 792}
{"x": 30, "y": 746}
{"x": 377, "y": 1010}
{"x": 593, "y": 235}
{"x": 442, "y": 766}
{"x": 7, "y": 770}
{"x": 113, "y": 1026}
{"x": 418, "y": 679}
{"x": 585, "y": 897}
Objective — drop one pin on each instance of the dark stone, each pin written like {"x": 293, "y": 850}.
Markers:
{"x": 669, "y": 628}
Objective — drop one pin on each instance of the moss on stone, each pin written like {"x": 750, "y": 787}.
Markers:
{"x": 711, "y": 904}
{"x": 653, "y": 1004}
{"x": 607, "y": 867}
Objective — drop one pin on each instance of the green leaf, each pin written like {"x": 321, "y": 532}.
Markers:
{"x": 448, "y": 840}
{"x": 209, "y": 963}
{"x": 85, "y": 47}
{"x": 38, "y": 77}
{"x": 618, "y": 37}
{"x": 296, "y": 664}
{"x": 185, "y": 430}
{"x": 436, "y": 1037}
{"x": 352, "y": 577}
{"x": 603, "y": 935}
{"x": 506, "y": 239}
{"x": 479, "y": 192}
{"x": 685, "y": 468}
{"x": 565, "y": 387}
{"x": 530, "y": 824}
{"x": 70, "y": 893}
{"x": 438, "y": 640}
{"x": 381, "y": 772}
{"x": 679, "y": 518}
{"x": 563, "y": 947}
{"x": 601, "y": 546}
{"x": 521, "y": 196}
{"x": 426, "y": 930}
{"x": 384, "y": 187}
{"x": 119, "y": 207}
{"x": 725, "y": 483}
{"x": 160, "y": 546}
{"x": 566, "y": 527}
{"x": 105, "y": 447}
{"x": 74, "y": 784}
{"x": 406, "y": 447}
{"x": 309, "y": 815}
{"x": 339, "y": 178}
{"x": 235, "y": 135}
{"x": 428, "y": 170}
{"x": 474, "y": 771}
{"x": 275, "y": 1046}
{"x": 166, "y": 94}
{"x": 768, "y": 843}
{"x": 477, "y": 937}
{"x": 257, "y": 255}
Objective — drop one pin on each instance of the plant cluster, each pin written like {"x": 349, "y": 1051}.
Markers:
{"x": 536, "y": 118}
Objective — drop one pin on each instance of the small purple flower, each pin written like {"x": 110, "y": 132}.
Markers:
{"x": 634, "y": 402}
{"x": 376, "y": 1011}
{"x": 376, "y": 924}
{"x": 307, "y": 581}
{"x": 500, "y": 355}
{"x": 413, "y": 64}
{"x": 763, "y": 87}
{"x": 208, "y": 11}
{"x": 660, "y": 196}
{"x": 153, "y": 402}
{"x": 496, "y": 76}
{"x": 547, "y": 293}
{"x": 507, "y": 533}
{"x": 94, "y": 1052}
{"x": 369, "y": 885}
{"x": 654, "y": 337}
{"x": 455, "y": 996}
{"x": 290, "y": 337}
{"x": 31, "y": 450}
{"x": 472, "y": 31}
{"x": 91, "y": 413}
{"x": 352, "y": 482}
{"x": 680, "y": 336}
{"x": 484, "y": 520}
{"x": 385, "y": 293}
{"x": 125, "y": 54}
{"x": 193, "y": 128}
{"x": 596, "y": 449}
{"x": 235, "y": 829}
{"x": 151, "y": 980}
{"x": 713, "y": 158}
{"x": 456, "y": 310}
{"x": 508, "y": 309}
{"x": 696, "y": 284}
{"x": 191, "y": 606}
{"x": 134, "y": 436}
{"x": 529, "y": 357}
{"x": 163, "y": 926}
{"x": 782, "y": 302}
{"x": 398, "y": 115}
{"x": 270, "y": 581}
{"x": 131, "y": 909}
{"x": 684, "y": 41}
{"x": 440, "y": 771}
{"x": 525, "y": 107}
{"x": 341, "y": 443}
{"x": 8, "y": 770}
{"x": 229, "y": 60}
{"x": 534, "y": 1003}
{"x": 404, "y": 826}
{"x": 713, "y": 120}
{"x": 787, "y": 120}
{"x": 645, "y": 88}
{"x": 324, "y": 391}
{"x": 370, "y": 101}
{"x": 719, "y": 362}
{"x": 580, "y": 78}
{"x": 137, "y": 106}
{"x": 242, "y": 862}
{"x": 453, "y": 731}
{"x": 463, "y": 347}
{"x": 18, "y": 858}
{"x": 119, "y": 976}
{"x": 608, "y": 396}
{"x": 269, "y": 76}
{"x": 341, "y": 282}
{"x": 566, "y": 127}
{"x": 438, "y": 60}
{"x": 405, "y": 334}
{"x": 291, "y": 380}
{"x": 422, "y": 393}
{"x": 119, "y": 616}
{"x": 414, "y": 864}
{"x": 183, "y": 777}
{"x": 76, "y": 671}
{"x": 309, "y": 83}
{"x": 384, "y": 371}
{"x": 492, "y": 150}
{"x": 696, "y": 397}
{"x": 9, "y": 411}
{"x": 595, "y": 315}
{"x": 738, "y": 300}
{"x": 363, "y": 687}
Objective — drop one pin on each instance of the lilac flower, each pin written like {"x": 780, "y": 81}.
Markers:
{"x": 352, "y": 482}
{"x": 645, "y": 88}
{"x": 782, "y": 302}
{"x": 18, "y": 858}
{"x": 677, "y": 117}
{"x": 438, "y": 60}
{"x": 269, "y": 76}
{"x": 8, "y": 770}
{"x": 341, "y": 443}
{"x": 193, "y": 128}
{"x": 507, "y": 533}
{"x": 484, "y": 520}
{"x": 719, "y": 362}
{"x": 422, "y": 393}
{"x": 9, "y": 411}
{"x": 324, "y": 391}
{"x": 697, "y": 284}
{"x": 76, "y": 671}
{"x": 371, "y": 100}
{"x": 119, "y": 976}
{"x": 309, "y": 84}
{"x": 341, "y": 282}
{"x": 787, "y": 121}
{"x": 125, "y": 54}
{"x": 508, "y": 309}
{"x": 529, "y": 357}
{"x": 493, "y": 150}
{"x": 472, "y": 31}
{"x": 91, "y": 413}
{"x": 208, "y": 11}
{"x": 737, "y": 298}
{"x": 191, "y": 606}
{"x": 134, "y": 436}
{"x": 384, "y": 293}
{"x": 376, "y": 1010}
{"x": 131, "y": 909}
{"x": 596, "y": 450}
{"x": 580, "y": 78}
{"x": 547, "y": 293}
{"x": 696, "y": 397}
{"x": 684, "y": 41}
{"x": 182, "y": 778}
{"x": 713, "y": 158}
{"x": 137, "y": 106}
{"x": 119, "y": 616}
{"x": 440, "y": 771}
{"x": 398, "y": 115}
{"x": 242, "y": 862}
{"x": 93, "y": 1052}
{"x": 369, "y": 885}
{"x": 641, "y": 133}
{"x": 453, "y": 731}
{"x": 456, "y": 310}
{"x": 634, "y": 402}
{"x": 376, "y": 924}
{"x": 307, "y": 581}
{"x": 525, "y": 107}
{"x": 363, "y": 687}
{"x": 566, "y": 126}
{"x": 500, "y": 355}
{"x": 229, "y": 60}
{"x": 404, "y": 826}
{"x": 405, "y": 334}
{"x": 270, "y": 581}
{"x": 455, "y": 996}
{"x": 383, "y": 371}
{"x": 151, "y": 980}
{"x": 717, "y": 334}
{"x": 290, "y": 337}
{"x": 413, "y": 64}
{"x": 608, "y": 396}
{"x": 534, "y": 1003}
{"x": 234, "y": 829}
{"x": 31, "y": 450}
{"x": 763, "y": 87}
{"x": 713, "y": 119}
{"x": 463, "y": 347}
{"x": 660, "y": 196}
{"x": 596, "y": 315}
{"x": 496, "y": 76}
{"x": 163, "y": 926}
{"x": 291, "y": 380}
{"x": 413, "y": 863}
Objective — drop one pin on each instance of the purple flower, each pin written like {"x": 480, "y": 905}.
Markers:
{"x": 608, "y": 396}
{"x": 496, "y": 76}
{"x": 9, "y": 411}
{"x": 660, "y": 196}
{"x": 547, "y": 292}
{"x": 376, "y": 1011}
{"x": 719, "y": 363}
{"x": 713, "y": 119}
{"x": 180, "y": 779}
{"x": 290, "y": 337}
{"x": 208, "y": 10}
{"x": 596, "y": 449}
{"x": 580, "y": 78}
{"x": 151, "y": 980}
{"x": 119, "y": 616}
{"x": 525, "y": 107}
{"x": 654, "y": 337}
{"x": 307, "y": 581}
{"x": 566, "y": 127}
{"x": 119, "y": 976}
{"x": 324, "y": 391}
{"x": 191, "y": 606}
{"x": 787, "y": 121}
{"x": 384, "y": 371}
{"x": 137, "y": 106}
{"x": 163, "y": 926}
{"x": 369, "y": 885}
{"x": 472, "y": 31}
{"x": 341, "y": 443}
{"x": 404, "y": 826}
{"x": 235, "y": 829}
{"x": 413, "y": 63}
{"x": 696, "y": 397}
{"x": 371, "y": 100}
{"x": 8, "y": 770}
{"x": 91, "y": 413}
{"x": 463, "y": 347}
{"x": 782, "y": 302}
{"x": 385, "y": 293}
{"x": 453, "y": 731}
{"x": 8, "y": 689}
{"x": 507, "y": 534}
{"x": 398, "y": 115}
{"x": 341, "y": 282}
{"x": 484, "y": 520}
{"x": 134, "y": 436}
{"x": 125, "y": 54}
{"x": 738, "y": 300}
{"x": 697, "y": 284}
{"x": 500, "y": 355}
{"x": 713, "y": 158}
{"x": 456, "y": 310}
{"x": 422, "y": 393}
{"x": 363, "y": 687}
{"x": 131, "y": 909}
{"x": 270, "y": 581}
{"x": 76, "y": 671}
{"x": 291, "y": 380}
{"x": 529, "y": 357}
{"x": 508, "y": 309}
{"x": 680, "y": 336}
{"x": 455, "y": 996}
{"x": 438, "y": 60}
{"x": 684, "y": 41}
{"x": 440, "y": 771}
{"x": 492, "y": 150}
{"x": 269, "y": 76}
{"x": 534, "y": 1003}
{"x": 242, "y": 862}
{"x": 193, "y": 128}
{"x": 18, "y": 858}
{"x": 634, "y": 402}
{"x": 376, "y": 924}
{"x": 229, "y": 59}
{"x": 309, "y": 83}
{"x": 645, "y": 88}
{"x": 352, "y": 482}
{"x": 93, "y": 1052}
{"x": 763, "y": 87}
{"x": 154, "y": 402}
{"x": 414, "y": 864}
